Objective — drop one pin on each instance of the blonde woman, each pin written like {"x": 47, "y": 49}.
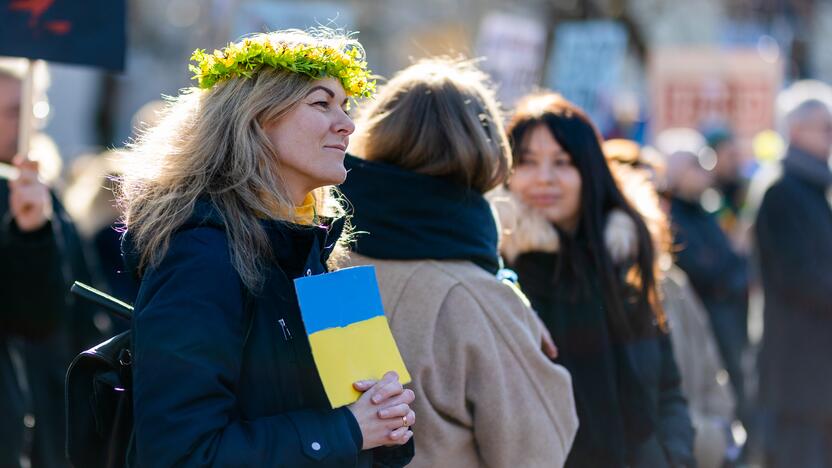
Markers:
{"x": 431, "y": 144}
{"x": 226, "y": 202}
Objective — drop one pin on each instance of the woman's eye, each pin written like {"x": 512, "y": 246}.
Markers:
{"x": 322, "y": 104}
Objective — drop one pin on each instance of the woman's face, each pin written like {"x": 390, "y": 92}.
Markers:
{"x": 546, "y": 179}
{"x": 311, "y": 140}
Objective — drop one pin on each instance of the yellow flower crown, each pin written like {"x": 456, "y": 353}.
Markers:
{"x": 245, "y": 58}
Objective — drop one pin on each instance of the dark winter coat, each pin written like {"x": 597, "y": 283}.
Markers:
{"x": 42, "y": 327}
{"x": 219, "y": 381}
{"x": 793, "y": 234}
{"x": 719, "y": 277}
{"x": 628, "y": 395}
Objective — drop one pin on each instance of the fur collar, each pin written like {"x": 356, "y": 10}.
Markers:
{"x": 523, "y": 229}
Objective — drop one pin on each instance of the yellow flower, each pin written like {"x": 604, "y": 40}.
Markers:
{"x": 247, "y": 56}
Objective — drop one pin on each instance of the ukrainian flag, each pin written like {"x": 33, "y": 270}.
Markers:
{"x": 348, "y": 332}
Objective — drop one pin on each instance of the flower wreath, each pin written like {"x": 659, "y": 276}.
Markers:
{"x": 245, "y": 58}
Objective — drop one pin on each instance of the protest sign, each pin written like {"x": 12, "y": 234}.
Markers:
{"x": 513, "y": 48}
{"x": 694, "y": 87}
{"x": 586, "y": 64}
{"x": 348, "y": 331}
{"x": 88, "y": 33}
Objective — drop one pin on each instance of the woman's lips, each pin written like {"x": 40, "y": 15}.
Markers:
{"x": 543, "y": 200}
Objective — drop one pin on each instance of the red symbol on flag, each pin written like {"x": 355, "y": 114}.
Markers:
{"x": 37, "y": 8}
{"x": 58, "y": 27}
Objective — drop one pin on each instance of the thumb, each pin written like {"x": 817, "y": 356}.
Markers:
{"x": 363, "y": 385}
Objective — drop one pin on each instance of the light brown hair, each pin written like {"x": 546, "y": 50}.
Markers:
{"x": 437, "y": 117}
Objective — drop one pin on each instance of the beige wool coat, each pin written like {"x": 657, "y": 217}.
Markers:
{"x": 486, "y": 395}
{"x": 710, "y": 400}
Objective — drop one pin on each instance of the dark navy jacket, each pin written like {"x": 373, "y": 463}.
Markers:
{"x": 225, "y": 377}
{"x": 42, "y": 328}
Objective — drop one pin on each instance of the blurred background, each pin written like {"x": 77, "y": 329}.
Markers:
{"x": 730, "y": 69}
{"x": 638, "y": 66}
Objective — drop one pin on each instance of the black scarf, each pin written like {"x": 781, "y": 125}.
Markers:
{"x": 410, "y": 216}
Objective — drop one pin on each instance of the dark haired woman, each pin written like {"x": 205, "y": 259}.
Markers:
{"x": 586, "y": 260}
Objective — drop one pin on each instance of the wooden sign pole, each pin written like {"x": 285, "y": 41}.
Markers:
{"x": 26, "y": 116}
{"x": 25, "y": 124}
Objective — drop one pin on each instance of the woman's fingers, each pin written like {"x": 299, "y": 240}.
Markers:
{"x": 548, "y": 344}
{"x": 410, "y": 418}
{"x": 386, "y": 391}
{"x": 396, "y": 411}
{"x": 401, "y": 435}
{"x": 383, "y": 412}
{"x": 407, "y": 397}
{"x": 364, "y": 385}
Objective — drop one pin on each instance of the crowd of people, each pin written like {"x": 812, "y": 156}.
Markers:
{"x": 559, "y": 299}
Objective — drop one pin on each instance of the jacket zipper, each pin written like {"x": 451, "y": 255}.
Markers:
{"x": 287, "y": 335}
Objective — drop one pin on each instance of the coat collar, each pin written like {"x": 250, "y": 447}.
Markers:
{"x": 296, "y": 246}
{"x": 524, "y": 229}
{"x": 807, "y": 167}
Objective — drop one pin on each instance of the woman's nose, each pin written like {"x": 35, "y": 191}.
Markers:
{"x": 344, "y": 125}
{"x": 546, "y": 173}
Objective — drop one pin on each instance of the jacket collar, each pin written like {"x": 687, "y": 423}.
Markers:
{"x": 524, "y": 230}
{"x": 403, "y": 215}
{"x": 807, "y": 167}
{"x": 298, "y": 246}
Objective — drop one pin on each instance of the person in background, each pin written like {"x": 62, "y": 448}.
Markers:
{"x": 588, "y": 263}
{"x": 719, "y": 275}
{"x": 639, "y": 171}
{"x": 728, "y": 180}
{"x": 227, "y": 201}
{"x": 41, "y": 326}
{"x": 430, "y": 145}
{"x": 793, "y": 237}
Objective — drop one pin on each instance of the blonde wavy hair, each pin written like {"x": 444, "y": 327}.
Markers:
{"x": 438, "y": 117}
{"x": 210, "y": 143}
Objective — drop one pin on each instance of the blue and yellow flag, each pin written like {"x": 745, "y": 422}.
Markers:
{"x": 348, "y": 332}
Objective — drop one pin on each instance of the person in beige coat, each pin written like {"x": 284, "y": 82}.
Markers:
{"x": 431, "y": 144}
{"x": 704, "y": 380}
